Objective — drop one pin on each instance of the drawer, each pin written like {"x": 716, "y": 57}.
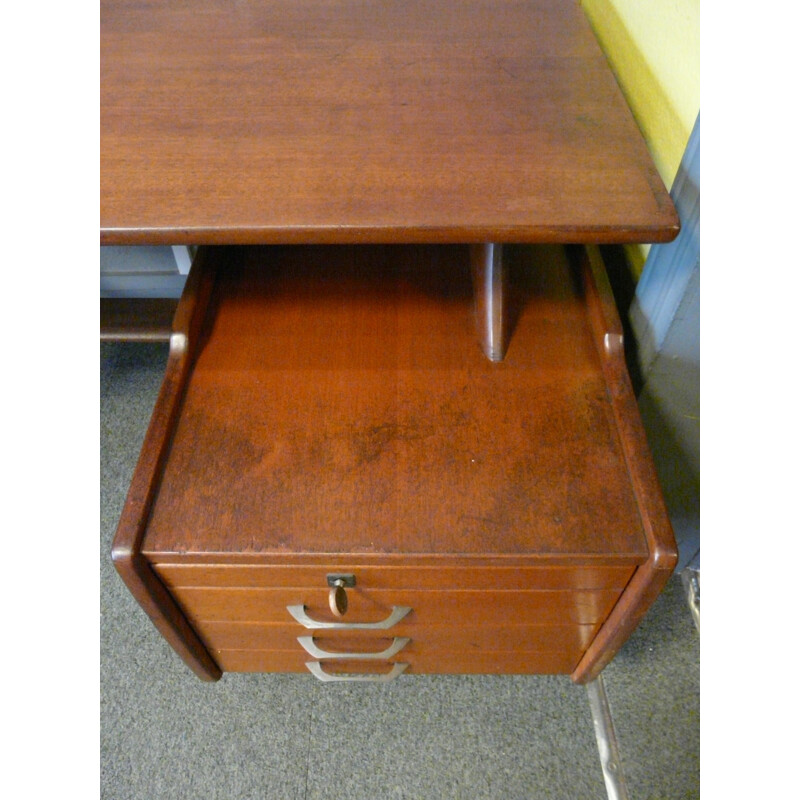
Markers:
{"x": 455, "y": 607}
{"x": 432, "y": 663}
{"x": 388, "y": 577}
{"x": 432, "y": 638}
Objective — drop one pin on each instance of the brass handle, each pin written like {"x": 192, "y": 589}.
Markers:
{"x": 299, "y": 613}
{"x": 313, "y": 649}
{"x": 337, "y": 598}
{"x": 315, "y": 668}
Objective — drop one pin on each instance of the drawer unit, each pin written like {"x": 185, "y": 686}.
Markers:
{"x": 327, "y": 412}
{"x": 480, "y": 620}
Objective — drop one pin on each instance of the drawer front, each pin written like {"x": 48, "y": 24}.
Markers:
{"x": 491, "y": 620}
{"x": 387, "y": 577}
{"x": 432, "y": 663}
{"x": 545, "y": 607}
{"x": 427, "y": 638}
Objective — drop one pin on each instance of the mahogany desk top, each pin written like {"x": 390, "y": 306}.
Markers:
{"x": 332, "y": 121}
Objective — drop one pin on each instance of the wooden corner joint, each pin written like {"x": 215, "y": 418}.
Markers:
{"x": 164, "y": 612}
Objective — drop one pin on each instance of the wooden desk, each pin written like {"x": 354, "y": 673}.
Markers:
{"x": 327, "y": 410}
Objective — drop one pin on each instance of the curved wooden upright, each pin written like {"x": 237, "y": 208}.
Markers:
{"x": 649, "y": 578}
{"x": 134, "y": 569}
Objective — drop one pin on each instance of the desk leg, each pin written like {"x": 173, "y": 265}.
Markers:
{"x": 490, "y": 288}
{"x": 606, "y": 740}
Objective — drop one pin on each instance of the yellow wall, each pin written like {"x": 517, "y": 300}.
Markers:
{"x": 653, "y": 47}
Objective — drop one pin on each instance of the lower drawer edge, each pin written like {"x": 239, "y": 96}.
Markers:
{"x": 500, "y": 663}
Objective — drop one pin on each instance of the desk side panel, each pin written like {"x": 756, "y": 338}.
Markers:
{"x": 132, "y": 566}
{"x": 649, "y": 578}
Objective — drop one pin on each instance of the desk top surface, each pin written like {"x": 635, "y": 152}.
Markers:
{"x": 329, "y": 121}
{"x": 402, "y": 440}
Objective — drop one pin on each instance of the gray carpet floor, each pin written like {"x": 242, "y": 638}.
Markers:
{"x": 165, "y": 734}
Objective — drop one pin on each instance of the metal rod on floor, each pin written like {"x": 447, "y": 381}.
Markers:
{"x": 606, "y": 740}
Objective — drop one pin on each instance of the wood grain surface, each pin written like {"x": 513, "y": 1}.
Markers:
{"x": 391, "y": 577}
{"x": 340, "y": 403}
{"x": 367, "y": 121}
{"x": 579, "y": 607}
{"x": 444, "y": 638}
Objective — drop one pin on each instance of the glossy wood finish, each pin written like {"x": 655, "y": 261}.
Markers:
{"x": 370, "y": 121}
{"x": 332, "y": 412}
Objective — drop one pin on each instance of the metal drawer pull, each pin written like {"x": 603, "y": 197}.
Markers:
{"x": 299, "y": 613}
{"x": 337, "y": 599}
{"x": 316, "y": 670}
{"x": 312, "y": 649}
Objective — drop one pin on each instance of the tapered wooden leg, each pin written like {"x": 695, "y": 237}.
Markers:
{"x": 489, "y": 286}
